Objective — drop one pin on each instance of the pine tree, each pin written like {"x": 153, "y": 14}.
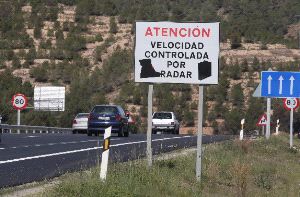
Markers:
{"x": 113, "y": 28}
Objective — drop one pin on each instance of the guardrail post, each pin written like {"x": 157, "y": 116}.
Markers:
{"x": 34, "y": 129}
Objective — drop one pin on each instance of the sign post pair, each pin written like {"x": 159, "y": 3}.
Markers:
{"x": 282, "y": 85}
{"x": 184, "y": 53}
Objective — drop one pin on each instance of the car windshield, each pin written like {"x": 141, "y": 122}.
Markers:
{"x": 82, "y": 115}
{"x": 161, "y": 115}
{"x": 105, "y": 110}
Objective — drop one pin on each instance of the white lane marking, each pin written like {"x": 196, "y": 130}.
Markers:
{"x": 64, "y": 143}
{"x": 31, "y": 136}
{"x": 82, "y": 150}
{"x": 2, "y": 148}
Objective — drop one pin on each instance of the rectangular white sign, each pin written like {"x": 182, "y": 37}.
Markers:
{"x": 49, "y": 98}
{"x": 169, "y": 52}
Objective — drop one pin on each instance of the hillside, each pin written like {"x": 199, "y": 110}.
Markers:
{"x": 87, "y": 46}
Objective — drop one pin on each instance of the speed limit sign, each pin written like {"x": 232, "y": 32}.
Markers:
{"x": 290, "y": 103}
{"x": 19, "y": 101}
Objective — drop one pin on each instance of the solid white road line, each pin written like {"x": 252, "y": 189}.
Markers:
{"x": 82, "y": 150}
{"x": 31, "y": 136}
{"x": 61, "y": 143}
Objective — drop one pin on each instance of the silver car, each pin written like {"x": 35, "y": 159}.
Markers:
{"x": 80, "y": 123}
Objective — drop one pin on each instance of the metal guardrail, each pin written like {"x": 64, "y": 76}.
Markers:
{"x": 5, "y": 128}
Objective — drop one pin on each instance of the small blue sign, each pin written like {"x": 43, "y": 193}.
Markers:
{"x": 280, "y": 84}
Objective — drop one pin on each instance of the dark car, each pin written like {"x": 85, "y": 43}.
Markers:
{"x": 104, "y": 116}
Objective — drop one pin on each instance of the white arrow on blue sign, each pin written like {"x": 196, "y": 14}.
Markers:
{"x": 280, "y": 84}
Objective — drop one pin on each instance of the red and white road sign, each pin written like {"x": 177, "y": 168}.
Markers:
{"x": 19, "y": 101}
{"x": 262, "y": 121}
{"x": 290, "y": 103}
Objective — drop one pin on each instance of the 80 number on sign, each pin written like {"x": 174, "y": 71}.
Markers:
{"x": 19, "y": 101}
{"x": 290, "y": 103}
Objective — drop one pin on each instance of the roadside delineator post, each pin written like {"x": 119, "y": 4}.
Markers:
{"x": 242, "y": 129}
{"x": 277, "y": 127}
{"x": 105, "y": 154}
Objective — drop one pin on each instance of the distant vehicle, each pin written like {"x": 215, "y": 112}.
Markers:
{"x": 165, "y": 122}
{"x": 104, "y": 116}
{"x": 80, "y": 123}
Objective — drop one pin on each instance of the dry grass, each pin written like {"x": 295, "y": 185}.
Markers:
{"x": 259, "y": 168}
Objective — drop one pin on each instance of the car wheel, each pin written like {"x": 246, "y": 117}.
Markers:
{"x": 121, "y": 132}
{"x": 173, "y": 131}
{"x": 154, "y": 131}
{"x": 96, "y": 133}
{"x": 74, "y": 131}
{"x": 126, "y": 134}
{"x": 89, "y": 133}
{"x": 177, "y": 131}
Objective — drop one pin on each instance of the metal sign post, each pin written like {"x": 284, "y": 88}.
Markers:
{"x": 291, "y": 127}
{"x": 18, "y": 119}
{"x": 199, "y": 137}
{"x": 0, "y": 128}
{"x": 149, "y": 126}
{"x": 291, "y": 104}
{"x": 268, "y": 132}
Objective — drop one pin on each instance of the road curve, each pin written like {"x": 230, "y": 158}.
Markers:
{"x": 26, "y": 158}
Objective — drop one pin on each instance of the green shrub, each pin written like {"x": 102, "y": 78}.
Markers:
{"x": 99, "y": 38}
{"x": 16, "y": 63}
{"x": 39, "y": 73}
{"x": 113, "y": 28}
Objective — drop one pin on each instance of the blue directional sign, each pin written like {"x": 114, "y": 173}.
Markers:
{"x": 280, "y": 84}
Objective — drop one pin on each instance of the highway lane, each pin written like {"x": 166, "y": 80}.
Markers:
{"x": 34, "y": 157}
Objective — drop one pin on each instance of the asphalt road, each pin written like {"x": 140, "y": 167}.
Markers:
{"x": 26, "y": 158}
